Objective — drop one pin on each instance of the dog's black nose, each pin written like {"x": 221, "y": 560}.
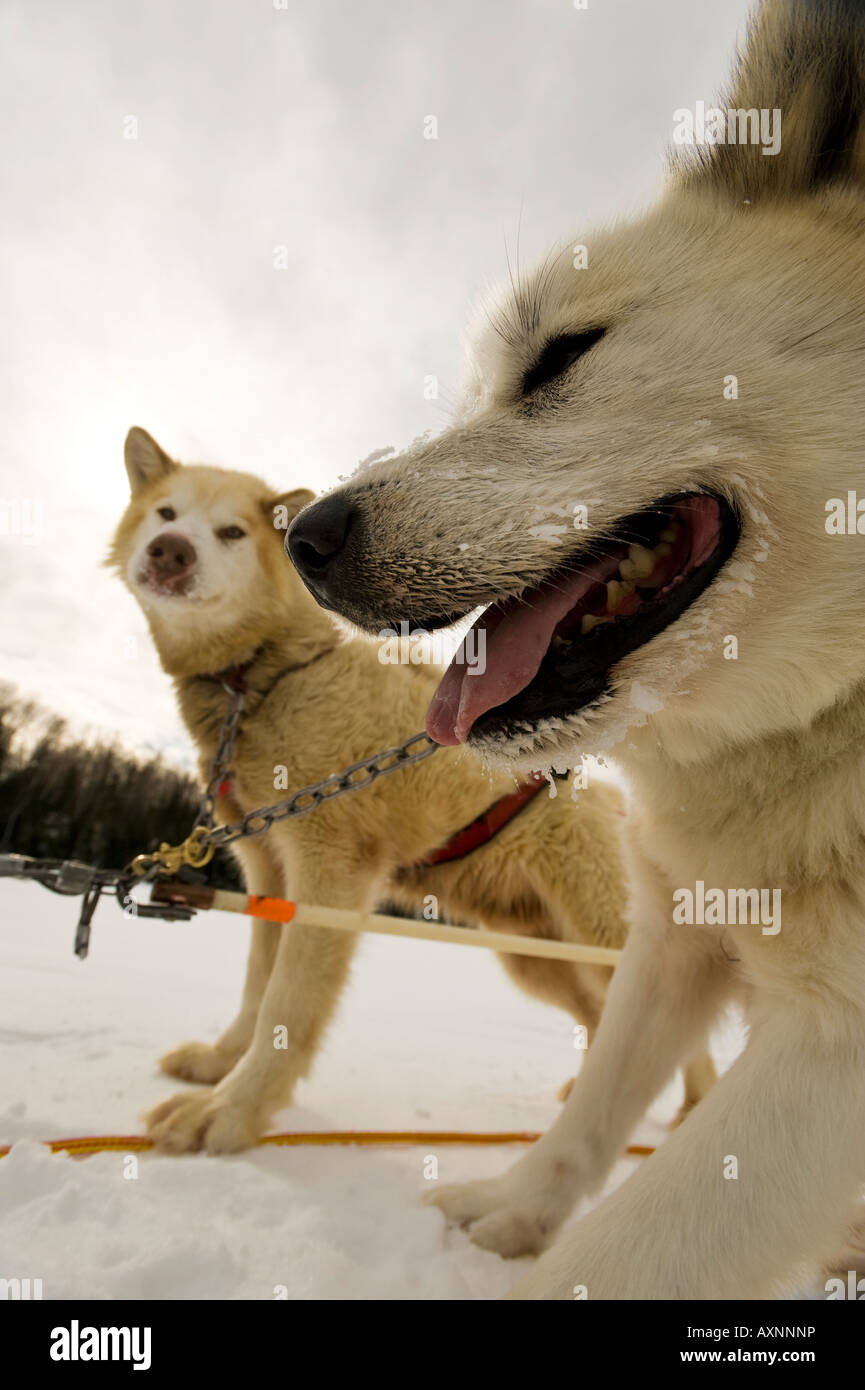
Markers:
{"x": 317, "y": 537}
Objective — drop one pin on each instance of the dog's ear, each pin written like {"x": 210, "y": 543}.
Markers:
{"x": 145, "y": 461}
{"x": 798, "y": 92}
{"x": 282, "y": 510}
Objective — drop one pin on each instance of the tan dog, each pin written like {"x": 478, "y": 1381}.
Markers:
{"x": 655, "y": 485}
{"x": 199, "y": 549}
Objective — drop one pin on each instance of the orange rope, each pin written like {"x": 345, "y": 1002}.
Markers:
{"x": 136, "y": 1143}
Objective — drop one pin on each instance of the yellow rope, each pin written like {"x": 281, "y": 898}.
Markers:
{"x": 137, "y": 1143}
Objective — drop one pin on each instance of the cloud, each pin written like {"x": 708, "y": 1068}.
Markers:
{"x": 140, "y": 283}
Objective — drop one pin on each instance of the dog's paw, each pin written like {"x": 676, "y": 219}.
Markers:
{"x": 195, "y": 1061}
{"x": 495, "y": 1217}
{"x": 202, "y": 1120}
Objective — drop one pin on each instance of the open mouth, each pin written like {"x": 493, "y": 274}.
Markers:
{"x": 550, "y": 652}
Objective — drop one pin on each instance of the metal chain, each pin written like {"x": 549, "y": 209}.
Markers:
{"x": 205, "y": 838}
{"x": 221, "y": 762}
{"x": 355, "y": 777}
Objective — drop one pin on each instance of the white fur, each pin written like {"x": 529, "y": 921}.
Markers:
{"x": 747, "y": 772}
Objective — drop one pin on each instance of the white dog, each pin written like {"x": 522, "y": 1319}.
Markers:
{"x": 653, "y": 486}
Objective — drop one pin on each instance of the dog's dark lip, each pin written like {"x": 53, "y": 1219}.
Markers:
{"x": 573, "y": 679}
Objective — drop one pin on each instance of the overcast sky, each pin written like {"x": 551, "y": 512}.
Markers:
{"x": 138, "y": 276}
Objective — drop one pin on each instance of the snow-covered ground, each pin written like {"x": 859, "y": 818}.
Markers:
{"x": 428, "y": 1036}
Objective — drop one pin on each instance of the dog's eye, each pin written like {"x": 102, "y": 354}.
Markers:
{"x": 558, "y": 356}
{"x": 231, "y": 533}
{"x": 167, "y": 513}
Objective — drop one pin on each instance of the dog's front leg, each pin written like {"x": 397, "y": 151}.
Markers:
{"x": 208, "y": 1063}
{"x": 309, "y": 971}
{"x": 752, "y": 1183}
{"x": 666, "y": 990}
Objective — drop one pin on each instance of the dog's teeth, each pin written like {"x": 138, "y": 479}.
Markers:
{"x": 614, "y": 595}
{"x": 559, "y": 642}
{"x": 589, "y": 621}
{"x": 617, "y": 592}
{"x": 663, "y": 549}
{"x": 643, "y": 561}
{"x": 669, "y": 535}
{"x": 628, "y": 570}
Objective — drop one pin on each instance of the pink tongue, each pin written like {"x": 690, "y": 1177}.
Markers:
{"x": 518, "y": 634}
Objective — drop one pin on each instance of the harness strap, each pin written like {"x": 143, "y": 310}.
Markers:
{"x": 486, "y": 826}
{"x": 481, "y": 830}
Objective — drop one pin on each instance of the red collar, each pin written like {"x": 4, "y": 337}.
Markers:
{"x": 233, "y": 678}
{"x": 487, "y": 825}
